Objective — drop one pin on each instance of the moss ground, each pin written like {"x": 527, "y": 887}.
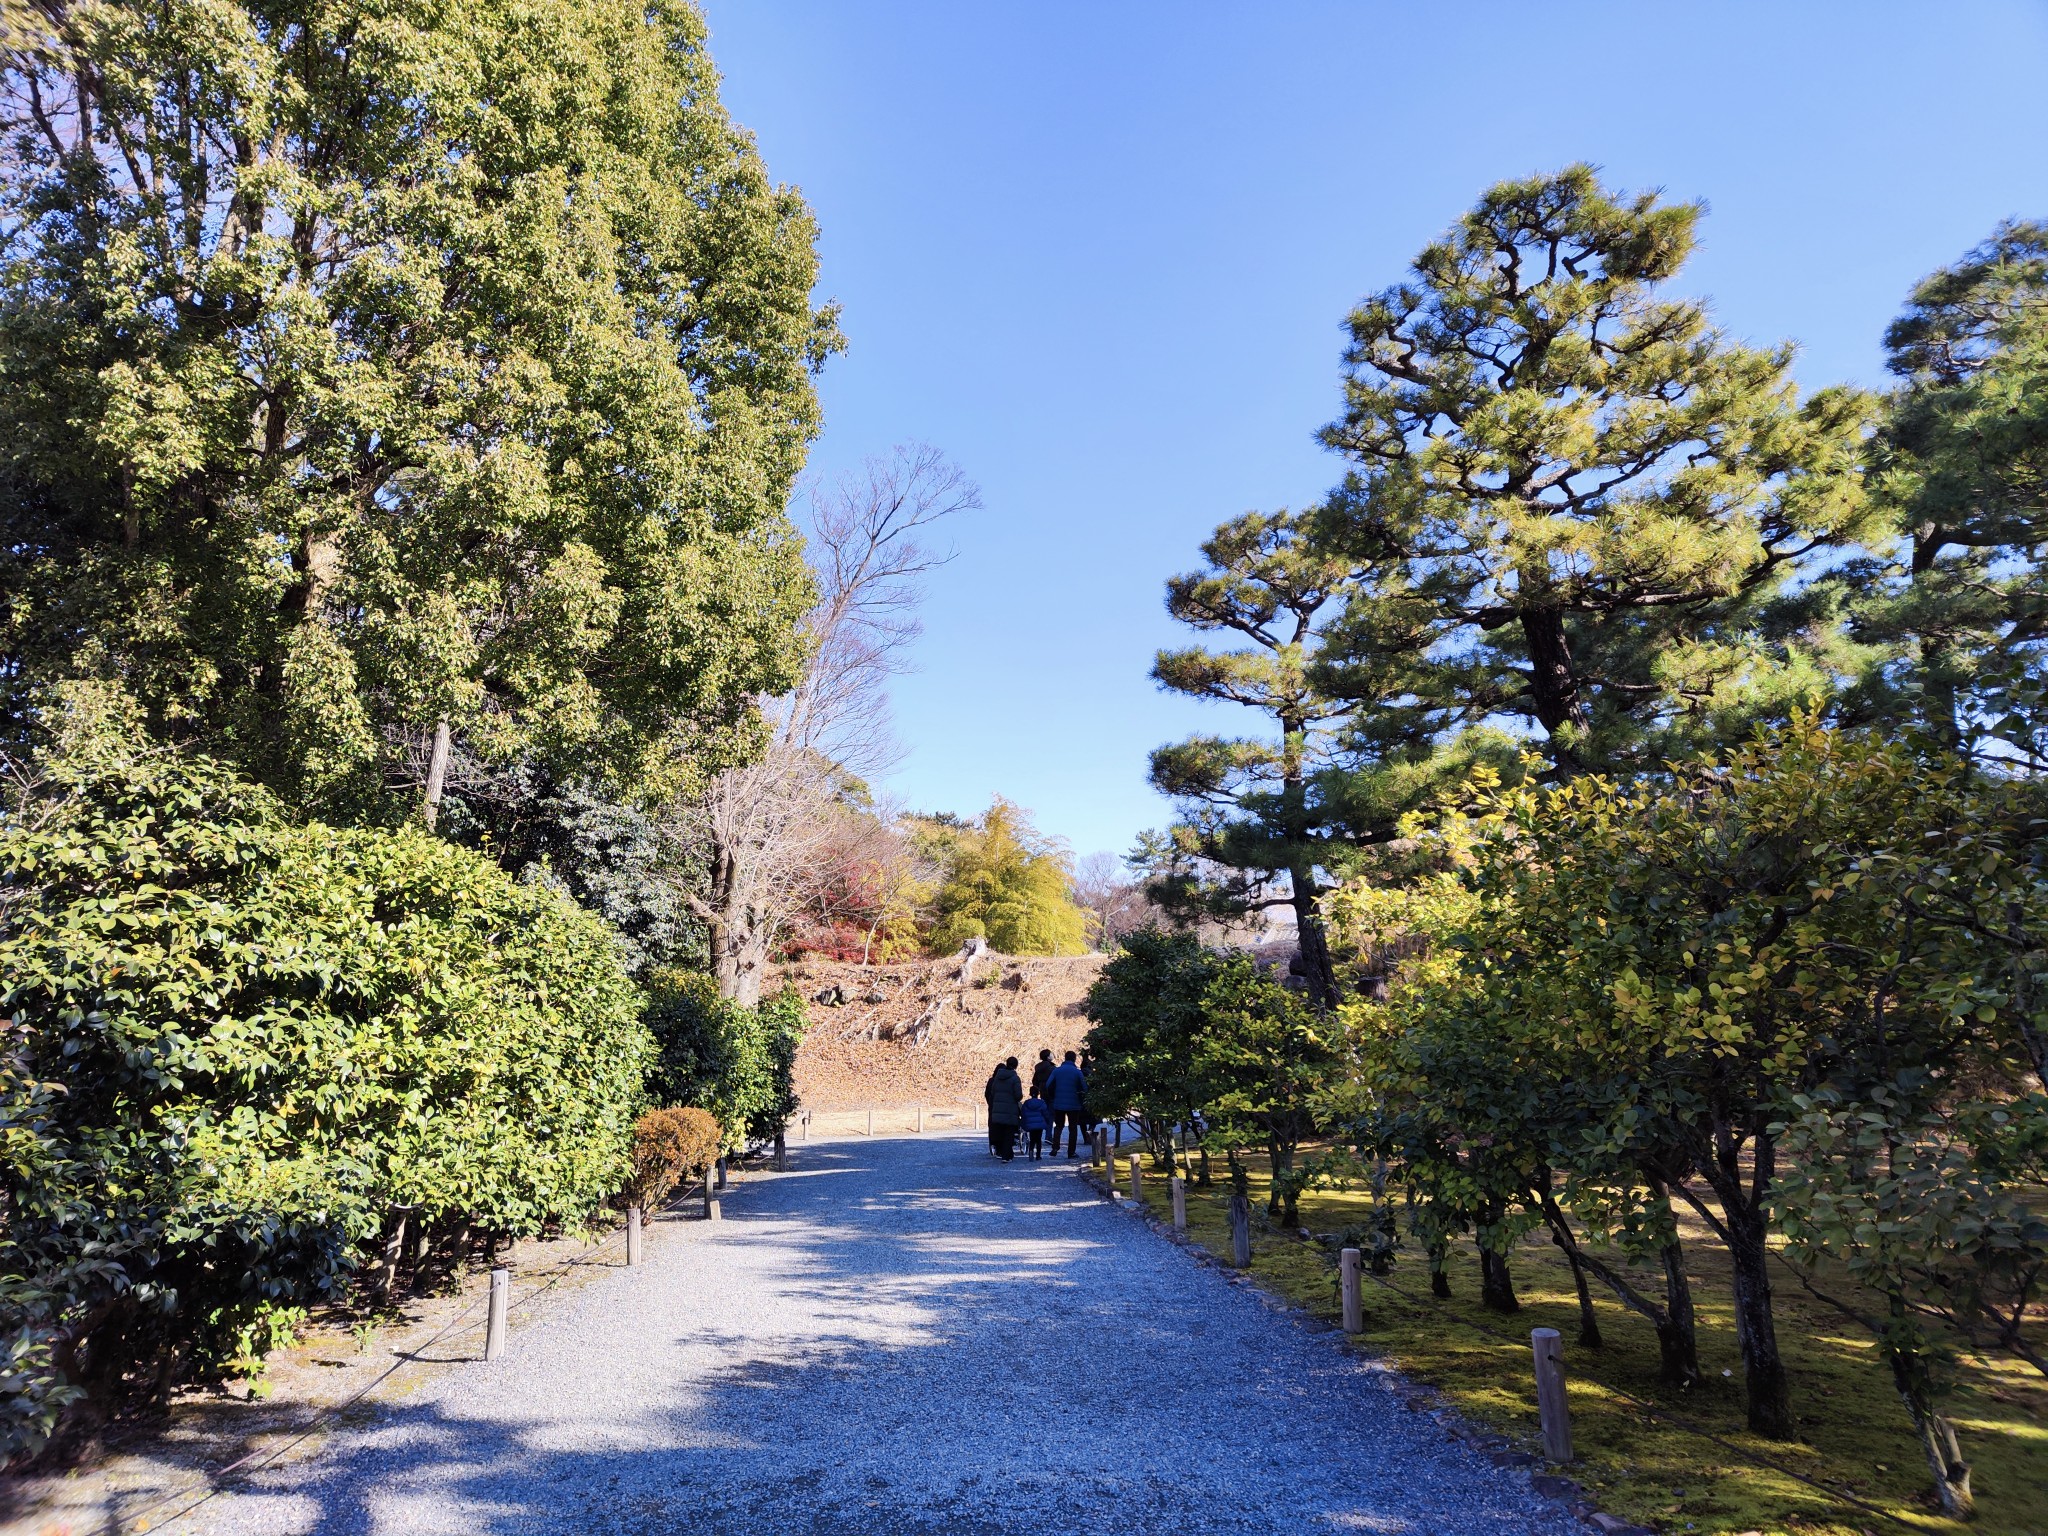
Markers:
{"x": 1686, "y": 1462}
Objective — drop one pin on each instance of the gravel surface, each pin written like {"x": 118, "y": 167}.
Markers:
{"x": 899, "y": 1336}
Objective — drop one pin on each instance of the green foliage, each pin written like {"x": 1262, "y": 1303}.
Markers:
{"x": 1146, "y": 1009}
{"x": 1962, "y": 463}
{"x": 1182, "y": 1032}
{"x": 234, "y": 1043}
{"x": 1262, "y": 1055}
{"x": 1004, "y": 883}
{"x": 739, "y": 1063}
{"x": 1253, "y": 807}
{"x": 368, "y": 370}
{"x": 1830, "y": 939}
{"x": 1576, "y": 492}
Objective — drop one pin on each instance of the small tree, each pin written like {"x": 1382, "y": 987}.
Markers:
{"x": 1006, "y": 884}
{"x": 737, "y": 1063}
{"x": 1149, "y": 1013}
{"x": 1262, "y": 1054}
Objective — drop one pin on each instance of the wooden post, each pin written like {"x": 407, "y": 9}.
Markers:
{"x": 1098, "y": 1147}
{"x": 501, "y": 1303}
{"x": 920, "y": 1119}
{"x": 1347, "y": 1284}
{"x": 1179, "y": 1186}
{"x": 721, "y": 1173}
{"x": 871, "y": 1122}
{"x": 1240, "y": 1230}
{"x": 806, "y": 1124}
{"x": 632, "y": 1234}
{"x": 710, "y": 1203}
{"x": 1550, "y": 1398}
{"x": 781, "y": 1151}
{"x": 1137, "y": 1181}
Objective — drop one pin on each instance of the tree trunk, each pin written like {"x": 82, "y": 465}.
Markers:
{"x": 1937, "y": 1436}
{"x": 1496, "y": 1283}
{"x": 1764, "y": 1381}
{"x": 1316, "y": 966}
{"x": 1439, "y": 1270}
{"x": 1678, "y": 1350}
{"x": 437, "y": 772}
{"x": 1554, "y": 682}
{"x": 1589, "y": 1322}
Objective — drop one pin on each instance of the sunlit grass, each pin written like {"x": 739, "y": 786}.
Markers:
{"x": 1707, "y": 1474}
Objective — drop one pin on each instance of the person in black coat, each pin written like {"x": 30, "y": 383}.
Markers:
{"x": 1041, "y": 1072}
{"x": 1005, "y": 1109}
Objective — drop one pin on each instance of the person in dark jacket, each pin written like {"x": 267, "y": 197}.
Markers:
{"x": 1005, "y": 1108}
{"x": 1036, "y": 1119}
{"x": 1068, "y": 1095}
{"x": 1041, "y": 1072}
{"x": 988, "y": 1097}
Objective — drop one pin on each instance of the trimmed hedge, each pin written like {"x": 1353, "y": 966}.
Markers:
{"x": 235, "y": 1048}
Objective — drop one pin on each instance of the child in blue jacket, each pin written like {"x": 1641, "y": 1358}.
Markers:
{"x": 1037, "y": 1120}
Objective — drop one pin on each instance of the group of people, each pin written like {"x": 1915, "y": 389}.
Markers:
{"x": 1057, "y": 1101}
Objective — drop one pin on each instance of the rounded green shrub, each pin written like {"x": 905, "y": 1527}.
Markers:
{"x": 234, "y": 1045}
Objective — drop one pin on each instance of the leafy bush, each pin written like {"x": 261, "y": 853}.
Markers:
{"x": 715, "y": 1054}
{"x": 234, "y": 1046}
{"x": 1146, "y": 1007}
{"x": 669, "y": 1145}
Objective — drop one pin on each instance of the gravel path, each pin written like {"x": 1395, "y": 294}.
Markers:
{"x": 899, "y": 1336}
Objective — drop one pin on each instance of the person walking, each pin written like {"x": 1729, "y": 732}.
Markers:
{"x": 1005, "y": 1109}
{"x": 1069, "y": 1098}
{"x": 988, "y": 1098}
{"x": 1036, "y": 1118}
{"x": 1041, "y": 1072}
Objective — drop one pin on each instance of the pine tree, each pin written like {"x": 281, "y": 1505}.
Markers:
{"x": 1591, "y": 490}
{"x": 1962, "y": 463}
{"x": 1254, "y": 806}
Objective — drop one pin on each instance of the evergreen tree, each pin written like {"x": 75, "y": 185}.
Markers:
{"x": 1962, "y": 462}
{"x": 1253, "y": 806}
{"x": 1590, "y": 489}
{"x": 382, "y": 386}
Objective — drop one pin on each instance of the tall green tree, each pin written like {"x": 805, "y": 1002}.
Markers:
{"x": 1962, "y": 463}
{"x": 389, "y": 392}
{"x": 1253, "y": 806}
{"x": 1591, "y": 489}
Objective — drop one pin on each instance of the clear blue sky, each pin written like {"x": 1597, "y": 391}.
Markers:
{"x": 1100, "y": 252}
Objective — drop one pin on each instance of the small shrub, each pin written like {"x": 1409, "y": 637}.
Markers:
{"x": 669, "y": 1146}
{"x": 737, "y": 1062}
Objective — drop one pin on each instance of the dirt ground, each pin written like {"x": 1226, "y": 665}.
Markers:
{"x": 926, "y": 1033}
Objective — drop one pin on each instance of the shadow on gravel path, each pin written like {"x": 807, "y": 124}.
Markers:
{"x": 898, "y": 1336}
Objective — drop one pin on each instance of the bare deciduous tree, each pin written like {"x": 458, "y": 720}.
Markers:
{"x": 754, "y": 838}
